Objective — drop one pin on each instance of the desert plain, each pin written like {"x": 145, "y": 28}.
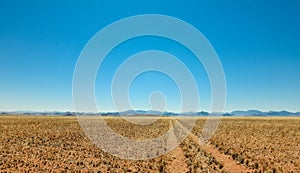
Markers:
{"x": 240, "y": 144}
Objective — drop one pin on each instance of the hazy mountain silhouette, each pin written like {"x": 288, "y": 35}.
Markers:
{"x": 154, "y": 112}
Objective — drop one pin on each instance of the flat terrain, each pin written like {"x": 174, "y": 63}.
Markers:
{"x": 45, "y": 143}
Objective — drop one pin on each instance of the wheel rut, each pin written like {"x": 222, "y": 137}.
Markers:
{"x": 229, "y": 165}
{"x": 177, "y": 161}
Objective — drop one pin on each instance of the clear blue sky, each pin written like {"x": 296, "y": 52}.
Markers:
{"x": 258, "y": 43}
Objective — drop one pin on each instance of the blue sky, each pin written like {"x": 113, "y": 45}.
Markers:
{"x": 257, "y": 43}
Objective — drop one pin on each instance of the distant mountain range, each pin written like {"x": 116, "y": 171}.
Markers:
{"x": 153, "y": 112}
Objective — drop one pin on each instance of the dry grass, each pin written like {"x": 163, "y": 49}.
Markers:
{"x": 261, "y": 144}
{"x": 58, "y": 144}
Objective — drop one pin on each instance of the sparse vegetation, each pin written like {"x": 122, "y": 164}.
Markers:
{"x": 267, "y": 144}
{"x": 36, "y": 144}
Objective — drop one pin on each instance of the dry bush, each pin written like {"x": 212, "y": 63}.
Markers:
{"x": 138, "y": 132}
{"x": 58, "y": 144}
{"x": 261, "y": 144}
{"x": 36, "y": 144}
{"x": 198, "y": 160}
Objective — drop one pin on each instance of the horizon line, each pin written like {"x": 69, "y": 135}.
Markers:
{"x": 45, "y": 111}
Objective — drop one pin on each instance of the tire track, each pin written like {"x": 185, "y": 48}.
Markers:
{"x": 229, "y": 165}
{"x": 177, "y": 163}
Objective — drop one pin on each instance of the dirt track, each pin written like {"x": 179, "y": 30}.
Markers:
{"x": 43, "y": 144}
{"x": 229, "y": 165}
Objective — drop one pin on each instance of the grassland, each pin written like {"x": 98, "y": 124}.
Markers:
{"x": 47, "y": 144}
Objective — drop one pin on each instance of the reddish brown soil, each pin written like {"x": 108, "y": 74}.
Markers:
{"x": 58, "y": 144}
{"x": 229, "y": 165}
{"x": 178, "y": 163}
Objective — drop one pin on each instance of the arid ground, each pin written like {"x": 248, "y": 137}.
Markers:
{"x": 58, "y": 144}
